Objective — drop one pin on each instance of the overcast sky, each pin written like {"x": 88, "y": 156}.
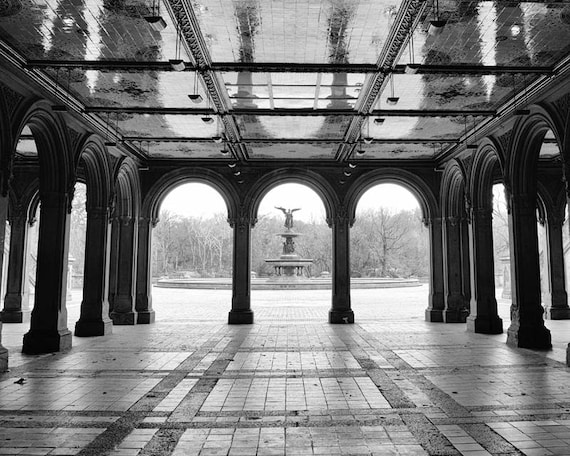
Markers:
{"x": 202, "y": 200}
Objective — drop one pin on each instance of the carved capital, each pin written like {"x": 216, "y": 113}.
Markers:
{"x": 99, "y": 213}
{"x": 242, "y": 220}
{"x": 481, "y": 213}
{"x": 125, "y": 220}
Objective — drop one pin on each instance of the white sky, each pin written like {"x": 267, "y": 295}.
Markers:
{"x": 201, "y": 200}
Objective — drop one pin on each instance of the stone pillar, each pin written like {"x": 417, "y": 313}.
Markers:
{"x": 48, "y": 323}
{"x": 94, "y": 318}
{"x": 113, "y": 261}
{"x": 3, "y": 216}
{"x": 484, "y": 317}
{"x": 506, "y": 267}
{"x": 124, "y": 303}
{"x": 455, "y": 306}
{"x": 527, "y": 328}
{"x": 465, "y": 263}
{"x": 341, "y": 311}
{"x": 143, "y": 305}
{"x": 556, "y": 300}
{"x": 241, "y": 312}
{"x": 436, "y": 304}
{"x": 16, "y": 301}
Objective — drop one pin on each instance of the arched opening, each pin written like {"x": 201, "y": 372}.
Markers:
{"x": 191, "y": 254}
{"x": 76, "y": 254}
{"x": 501, "y": 252}
{"x": 291, "y": 256}
{"x": 389, "y": 254}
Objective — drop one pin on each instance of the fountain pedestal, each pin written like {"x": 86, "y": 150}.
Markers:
{"x": 289, "y": 267}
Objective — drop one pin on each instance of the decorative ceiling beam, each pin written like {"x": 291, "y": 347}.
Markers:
{"x": 289, "y": 141}
{"x": 407, "y": 18}
{"x": 194, "y": 42}
{"x": 309, "y": 112}
{"x": 458, "y": 70}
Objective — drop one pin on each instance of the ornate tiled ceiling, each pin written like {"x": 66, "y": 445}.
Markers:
{"x": 271, "y": 80}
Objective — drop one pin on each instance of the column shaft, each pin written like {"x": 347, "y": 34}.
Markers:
{"x": 483, "y": 317}
{"x": 455, "y": 305}
{"x": 241, "y": 312}
{"x": 16, "y": 301}
{"x": 527, "y": 328}
{"x": 143, "y": 305}
{"x": 94, "y": 318}
{"x": 556, "y": 302}
{"x": 3, "y": 216}
{"x": 341, "y": 311}
{"x": 123, "y": 306}
{"x": 48, "y": 323}
{"x": 436, "y": 303}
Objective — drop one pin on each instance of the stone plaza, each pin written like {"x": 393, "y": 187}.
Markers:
{"x": 290, "y": 384}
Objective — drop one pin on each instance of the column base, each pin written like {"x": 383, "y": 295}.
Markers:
{"x": 553, "y": 313}
{"x": 38, "y": 342}
{"x": 87, "y": 328}
{"x": 568, "y": 355}
{"x": 434, "y": 316}
{"x": 485, "y": 325}
{"x": 455, "y": 316}
{"x": 537, "y": 338}
{"x": 123, "y": 318}
{"x": 341, "y": 316}
{"x": 240, "y": 317}
{"x": 15, "y": 316}
{"x": 145, "y": 317}
{"x": 3, "y": 359}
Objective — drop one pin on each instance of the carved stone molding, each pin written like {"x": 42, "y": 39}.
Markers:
{"x": 11, "y": 98}
{"x": 505, "y": 141}
{"x": 563, "y": 105}
{"x": 242, "y": 220}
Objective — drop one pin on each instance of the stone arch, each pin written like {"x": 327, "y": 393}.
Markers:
{"x": 453, "y": 185}
{"x": 292, "y": 175}
{"x": 527, "y": 137}
{"x": 127, "y": 189}
{"x": 417, "y": 186}
{"x": 52, "y": 142}
{"x": 483, "y": 173}
{"x": 94, "y": 166}
{"x": 155, "y": 196}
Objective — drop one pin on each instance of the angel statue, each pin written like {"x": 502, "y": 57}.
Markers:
{"x": 288, "y": 216}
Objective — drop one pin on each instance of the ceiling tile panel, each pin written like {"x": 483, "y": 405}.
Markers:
{"x": 167, "y": 126}
{"x": 184, "y": 150}
{"x": 396, "y": 151}
{"x": 482, "y": 32}
{"x": 87, "y": 29}
{"x": 292, "y": 151}
{"x": 291, "y": 127}
{"x": 300, "y": 31}
{"x": 399, "y": 127}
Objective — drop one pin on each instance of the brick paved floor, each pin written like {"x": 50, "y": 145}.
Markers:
{"x": 290, "y": 384}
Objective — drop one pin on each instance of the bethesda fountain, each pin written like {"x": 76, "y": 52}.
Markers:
{"x": 289, "y": 267}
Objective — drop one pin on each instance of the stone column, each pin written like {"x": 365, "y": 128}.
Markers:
{"x": 527, "y": 328}
{"x": 341, "y": 311}
{"x": 16, "y": 301}
{"x": 143, "y": 305}
{"x": 3, "y": 216}
{"x": 556, "y": 301}
{"x": 113, "y": 260}
{"x": 436, "y": 303}
{"x": 465, "y": 263}
{"x": 48, "y": 323}
{"x": 455, "y": 307}
{"x": 484, "y": 317}
{"x": 94, "y": 318}
{"x": 124, "y": 303}
{"x": 241, "y": 312}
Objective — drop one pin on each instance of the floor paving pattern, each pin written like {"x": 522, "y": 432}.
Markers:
{"x": 291, "y": 384}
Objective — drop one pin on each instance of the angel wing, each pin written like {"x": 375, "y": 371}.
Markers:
{"x": 297, "y": 209}
{"x": 281, "y": 208}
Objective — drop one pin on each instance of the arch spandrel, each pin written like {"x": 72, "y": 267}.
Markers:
{"x": 527, "y": 136}
{"x": 52, "y": 142}
{"x": 411, "y": 182}
{"x": 162, "y": 186}
{"x": 92, "y": 155}
{"x": 311, "y": 179}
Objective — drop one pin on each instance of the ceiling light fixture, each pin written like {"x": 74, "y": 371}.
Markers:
{"x": 411, "y": 67}
{"x": 359, "y": 149}
{"x": 218, "y": 138}
{"x": 469, "y": 146}
{"x": 437, "y": 24}
{"x": 108, "y": 141}
{"x": 379, "y": 120}
{"x": 154, "y": 19}
{"x": 59, "y": 107}
{"x": 195, "y": 97}
{"x": 177, "y": 64}
{"x": 392, "y": 99}
{"x": 367, "y": 139}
